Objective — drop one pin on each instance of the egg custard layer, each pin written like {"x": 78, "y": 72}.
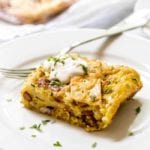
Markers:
{"x": 84, "y": 92}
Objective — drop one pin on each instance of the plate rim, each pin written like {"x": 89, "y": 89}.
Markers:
{"x": 68, "y": 30}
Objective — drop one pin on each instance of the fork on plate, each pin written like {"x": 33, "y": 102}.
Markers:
{"x": 136, "y": 20}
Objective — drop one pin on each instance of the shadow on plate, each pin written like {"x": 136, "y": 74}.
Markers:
{"x": 106, "y": 43}
{"x": 119, "y": 129}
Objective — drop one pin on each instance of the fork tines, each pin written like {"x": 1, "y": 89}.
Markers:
{"x": 15, "y": 73}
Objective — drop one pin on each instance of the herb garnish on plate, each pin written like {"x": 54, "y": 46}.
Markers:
{"x": 36, "y": 127}
{"x": 94, "y": 145}
{"x": 57, "y": 144}
{"x": 137, "y": 110}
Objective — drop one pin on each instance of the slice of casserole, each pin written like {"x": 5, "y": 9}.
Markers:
{"x": 81, "y": 91}
{"x": 32, "y": 11}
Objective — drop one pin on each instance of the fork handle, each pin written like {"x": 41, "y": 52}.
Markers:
{"x": 120, "y": 28}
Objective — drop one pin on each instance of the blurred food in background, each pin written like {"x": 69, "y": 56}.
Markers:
{"x": 32, "y": 11}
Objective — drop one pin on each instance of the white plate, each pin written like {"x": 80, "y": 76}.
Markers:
{"x": 30, "y": 51}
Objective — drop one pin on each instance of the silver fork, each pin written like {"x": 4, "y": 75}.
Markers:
{"x": 136, "y": 20}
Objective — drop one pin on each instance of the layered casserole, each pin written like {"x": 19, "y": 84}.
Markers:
{"x": 84, "y": 92}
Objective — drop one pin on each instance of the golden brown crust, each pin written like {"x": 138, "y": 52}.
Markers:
{"x": 35, "y": 11}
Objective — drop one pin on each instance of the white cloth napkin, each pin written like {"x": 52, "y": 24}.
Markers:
{"x": 85, "y": 13}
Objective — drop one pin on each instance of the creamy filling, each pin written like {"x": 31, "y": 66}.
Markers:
{"x": 96, "y": 91}
{"x": 63, "y": 68}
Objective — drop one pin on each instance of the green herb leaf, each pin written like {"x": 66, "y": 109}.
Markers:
{"x": 36, "y": 127}
{"x": 50, "y": 58}
{"x": 85, "y": 69}
{"x": 32, "y": 85}
{"x": 107, "y": 90}
{"x": 22, "y": 128}
{"x": 57, "y": 144}
{"x": 45, "y": 122}
{"x": 55, "y": 82}
{"x": 93, "y": 97}
{"x": 56, "y": 60}
{"x": 33, "y": 135}
{"x": 94, "y": 145}
{"x": 137, "y": 110}
{"x": 131, "y": 134}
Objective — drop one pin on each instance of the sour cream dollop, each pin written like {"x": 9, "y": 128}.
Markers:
{"x": 63, "y": 68}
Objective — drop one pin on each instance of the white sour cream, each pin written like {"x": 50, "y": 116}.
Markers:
{"x": 66, "y": 69}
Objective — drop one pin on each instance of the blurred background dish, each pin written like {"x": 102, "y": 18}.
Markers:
{"x": 84, "y": 13}
{"x": 22, "y": 12}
